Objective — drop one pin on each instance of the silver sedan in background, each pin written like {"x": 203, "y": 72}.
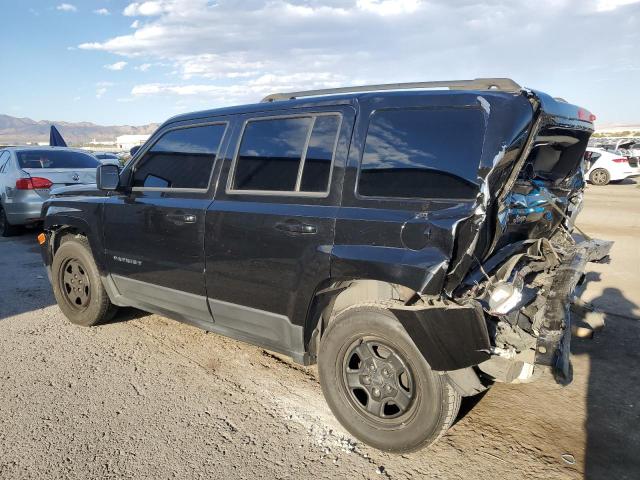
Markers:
{"x": 27, "y": 174}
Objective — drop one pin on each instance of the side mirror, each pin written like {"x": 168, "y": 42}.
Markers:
{"x": 107, "y": 177}
{"x": 133, "y": 150}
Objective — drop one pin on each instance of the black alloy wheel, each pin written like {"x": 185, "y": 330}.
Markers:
{"x": 75, "y": 284}
{"x": 379, "y": 380}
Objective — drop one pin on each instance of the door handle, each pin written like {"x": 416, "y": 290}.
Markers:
{"x": 294, "y": 226}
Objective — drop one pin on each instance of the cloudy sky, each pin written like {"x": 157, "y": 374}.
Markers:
{"x": 117, "y": 61}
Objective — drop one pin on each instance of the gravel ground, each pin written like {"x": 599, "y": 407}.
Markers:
{"x": 147, "y": 397}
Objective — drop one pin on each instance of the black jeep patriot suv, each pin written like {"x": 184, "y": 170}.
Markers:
{"x": 415, "y": 240}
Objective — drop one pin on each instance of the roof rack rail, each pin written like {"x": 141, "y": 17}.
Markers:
{"x": 501, "y": 84}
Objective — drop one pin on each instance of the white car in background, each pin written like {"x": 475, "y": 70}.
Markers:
{"x": 604, "y": 166}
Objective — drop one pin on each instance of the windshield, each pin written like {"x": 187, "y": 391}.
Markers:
{"x": 55, "y": 159}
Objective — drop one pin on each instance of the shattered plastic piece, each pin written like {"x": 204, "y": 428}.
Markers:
{"x": 504, "y": 298}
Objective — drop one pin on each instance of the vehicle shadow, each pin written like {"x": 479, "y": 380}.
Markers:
{"x": 24, "y": 285}
{"x": 467, "y": 404}
{"x": 125, "y": 314}
{"x": 630, "y": 181}
{"x": 612, "y": 422}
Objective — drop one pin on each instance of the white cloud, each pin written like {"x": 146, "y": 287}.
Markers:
{"x": 389, "y": 7}
{"x": 150, "y": 8}
{"x": 102, "y": 88}
{"x": 67, "y": 7}
{"x": 226, "y": 51}
{"x": 144, "y": 67}
{"x": 607, "y": 5}
{"x": 251, "y": 90}
{"x": 102, "y": 11}
{"x": 116, "y": 66}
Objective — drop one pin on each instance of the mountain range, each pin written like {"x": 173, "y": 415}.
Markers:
{"x": 16, "y": 131}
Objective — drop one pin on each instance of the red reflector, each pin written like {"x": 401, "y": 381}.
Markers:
{"x": 33, "y": 183}
{"x": 586, "y": 115}
{"x": 620, "y": 160}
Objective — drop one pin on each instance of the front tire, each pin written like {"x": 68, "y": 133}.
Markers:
{"x": 77, "y": 285}
{"x": 600, "y": 176}
{"x": 378, "y": 384}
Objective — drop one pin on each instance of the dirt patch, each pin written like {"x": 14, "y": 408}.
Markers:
{"x": 147, "y": 397}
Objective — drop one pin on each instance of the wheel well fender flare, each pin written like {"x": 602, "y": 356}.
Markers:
{"x": 334, "y": 295}
{"x": 73, "y": 226}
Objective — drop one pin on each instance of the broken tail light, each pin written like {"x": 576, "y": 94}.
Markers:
{"x": 586, "y": 115}
{"x": 33, "y": 183}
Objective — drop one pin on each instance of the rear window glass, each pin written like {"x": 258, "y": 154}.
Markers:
{"x": 55, "y": 159}
{"x": 270, "y": 154}
{"x": 286, "y": 154}
{"x": 317, "y": 162}
{"x": 422, "y": 153}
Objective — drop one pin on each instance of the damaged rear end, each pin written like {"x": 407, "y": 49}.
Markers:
{"x": 518, "y": 258}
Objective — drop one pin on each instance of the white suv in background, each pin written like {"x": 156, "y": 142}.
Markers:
{"x": 604, "y": 166}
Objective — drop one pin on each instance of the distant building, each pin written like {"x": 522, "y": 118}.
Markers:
{"x": 105, "y": 143}
{"x": 127, "y": 142}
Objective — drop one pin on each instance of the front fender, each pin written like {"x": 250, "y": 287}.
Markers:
{"x": 84, "y": 220}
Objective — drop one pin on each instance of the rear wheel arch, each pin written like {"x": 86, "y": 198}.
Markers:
{"x": 335, "y": 296}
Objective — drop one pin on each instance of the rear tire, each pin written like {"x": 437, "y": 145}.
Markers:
{"x": 378, "y": 384}
{"x": 77, "y": 285}
{"x": 6, "y": 229}
{"x": 600, "y": 176}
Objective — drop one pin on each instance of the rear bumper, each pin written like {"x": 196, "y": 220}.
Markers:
{"x": 23, "y": 213}
{"x": 553, "y": 347}
{"x": 454, "y": 336}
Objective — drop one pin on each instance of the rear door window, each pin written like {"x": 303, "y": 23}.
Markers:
{"x": 181, "y": 158}
{"x": 286, "y": 154}
{"x": 422, "y": 153}
{"x": 317, "y": 161}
